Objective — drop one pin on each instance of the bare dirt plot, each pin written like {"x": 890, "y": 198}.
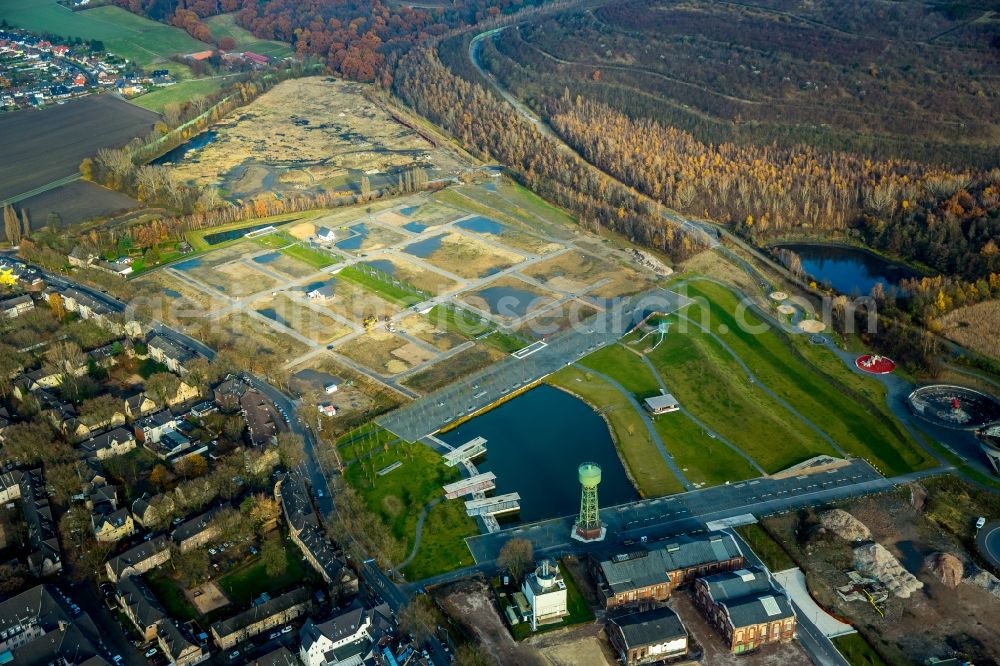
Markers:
{"x": 453, "y": 368}
{"x": 348, "y": 215}
{"x": 241, "y": 279}
{"x": 509, "y": 298}
{"x": 422, "y": 278}
{"x": 207, "y": 598}
{"x": 933, "y": 621}
{"x": 975, "y": 326}
{"x": 161, "y": 295}
{"x": 575, "y": 270}
{"x": 261, "y": 346}
{"x": 355, "y": 303}
{"x": 421, "y": 327}
{"x": 470, "y": 257}
{"x": 76, "y": 202}
{"x": 428, "y": 214}
{"x": 282, "y": 263}
{"x": 311, "y": 323}
{"x": 573, "y": 313}
{"x": 585, "y": 645}
{"x": 385, "y": 353}
{"x": 305, "y": 132}
{"x": 302, "y": 230}
{"x": 469, "y": 604}
{"x": 372, "y": 237}
{"x": 43, "y": 146}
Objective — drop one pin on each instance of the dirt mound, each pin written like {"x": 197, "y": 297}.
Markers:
{"x": 844, "y": 525}
{"x": 873, "y": 559}
{"x": 946, "y": 567}
{"x": 918, "y": 496}
{"x": 983, "y": 580}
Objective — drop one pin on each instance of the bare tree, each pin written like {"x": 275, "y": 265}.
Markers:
{"x": 517, "y": 556}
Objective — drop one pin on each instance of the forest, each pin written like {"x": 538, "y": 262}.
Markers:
{"x": 881, "y": 78}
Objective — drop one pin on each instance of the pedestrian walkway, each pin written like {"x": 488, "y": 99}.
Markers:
{"x": 794, "y": 582}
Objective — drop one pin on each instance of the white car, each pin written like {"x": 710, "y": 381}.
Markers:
{"x": 274, "y": 635}
{"x": 151, "y": 652}
{"x": 980, "y": 522}
{"x": 234, "y": 655}
{"x": 286, "y": 629}
{"x": 212, "y": 551}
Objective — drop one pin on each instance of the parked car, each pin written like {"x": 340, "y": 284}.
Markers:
{"x": 276, "y": 634}
{"x": 212, "y": 551}
{"x": 151, "y": 652}
{"x": 117, "y": 659}
{"x": 286, "y": 629}
{"x": 980, "y": 522}
{"x": 235, "y": 654}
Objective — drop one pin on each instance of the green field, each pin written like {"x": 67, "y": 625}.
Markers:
{"x": 387, "y": 290}
{"x": 702, "y": 459}
{"x": 308, "y": 255}
{"x": 133, "y": 37}
{"x": 157, "y": 99}
{"x": 251, "y": 580}
{"x": 469, "y": 325}
{"x": 197, "y": 240}
{"x": 860, "y": 424}
{"x": 224, "y": 25}
{"x": 642, "y": 459}
{"x": 767, "y": 549}
{"x": 857, "y": 651}
{"x": 399, "y": 496}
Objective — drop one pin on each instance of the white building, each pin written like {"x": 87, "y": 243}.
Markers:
{"x": 325, "y": 235}
{"x": 545, "y": 591}
{"x": 662, "y": 404}
{"x": 344, "y": 640}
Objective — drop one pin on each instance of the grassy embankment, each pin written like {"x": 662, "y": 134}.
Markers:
{"x": 469, "y": 325}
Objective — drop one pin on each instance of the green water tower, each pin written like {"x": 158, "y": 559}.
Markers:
{"x": 588, "y": 525}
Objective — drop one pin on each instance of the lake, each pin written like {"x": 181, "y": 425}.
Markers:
{"x": 534, "y": 445}
{"x": 848, "y": 270}
{"x": 181, "y": 151}
{"x": 509, "y": 301}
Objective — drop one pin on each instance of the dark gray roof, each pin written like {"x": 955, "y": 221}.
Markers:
{"x": 280, "y": 657}
{"x": 42, "y": 609}
{"x": 758, "y": 609}
{"x": 116, "y": 518}
{"x": 140, "y": 553}
{"x": 336, "y": 628}
{"x": 171, "y": 349}
{"x": 649, "y": 627}
{"x": 637, "y": 569}
{"x": 143, "y": 604}
{"x": 175, "y": 640}
{"x": 196, "y": 525}
{"x": 107, "y": 439}
{"x": 155, "y": 420}
{"x": 740, "y": 583}
{"x": 257, "y": 613}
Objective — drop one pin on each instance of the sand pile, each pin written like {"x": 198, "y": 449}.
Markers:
{"x": 844, "y": 525}
{"x": 945, "y": 567}
{"x": 874, "y": 560}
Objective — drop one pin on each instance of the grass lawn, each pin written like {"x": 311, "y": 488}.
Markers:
{"x": 148, "y": 367}
{"x": 197, "y": 240}
{"x": 857, "y": 651}
{"x": 766, "y": 548}
{"x": 401, "y": 295}
{"x": 171, "y": 596}
{"x": 251, "y": 580}
{"x": 703, "y": 459}
{"x": 470, "y": 325}
{"x": 362, "y": 440}
{"x": 442, "y": 547}
{"x": 224, "y": 25}
{"x": 157, "y": 99}
{"x": 276, "y": 241}
{"x": 398, "y": 497}
{"x": 642, "y": 459}
{"x": 308, "y": 255}
{"x": 139, "y": 39}
{"x": 712, "y": 387}
{"x": 857, "y": 423}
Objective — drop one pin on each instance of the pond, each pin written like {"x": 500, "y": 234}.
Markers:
{"x": 181, "y": 151}
{"x": 415, "y": 227}
{"x": 313, "y": 286}
{"x": 848, "y": 270}
{"x": 353, "y": 242}
{"x": 535, "y": 443}
{"x": 508, "y": 301}
{"x": 172, "y": 293}
{"x": 273, "y": 315}
{"x": 267, "y": 258}
{"x": 481, "y": 225}
{"x": 424, "y": 248}
{"x": 382, "y": 265}
{"x": 233, "y": 234}
{"x": 408, "y": 211}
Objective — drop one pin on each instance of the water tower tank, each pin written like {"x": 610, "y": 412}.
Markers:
{"x": 590, "y": 475}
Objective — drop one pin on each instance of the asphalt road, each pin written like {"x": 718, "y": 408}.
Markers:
{"x": 988, "y": 542}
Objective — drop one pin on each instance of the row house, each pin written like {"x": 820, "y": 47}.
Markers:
{"x": 746, "y": 609}
{"x": 139, "y": 560}
{"x": 261, "y": 618}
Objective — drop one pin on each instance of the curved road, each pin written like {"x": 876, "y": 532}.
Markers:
{"x": 988, "y": 542}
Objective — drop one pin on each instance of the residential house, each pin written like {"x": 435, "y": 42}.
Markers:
{"x": 185, "y": 393}
{"x": 648, "y": 637}
{"x": 344, "y": 639}
{"x": 10, "y": 486}
{"x": 645, "y": 575}
{"x": 306, "y": 532}
{"x": 745, "y": 608}
{"x": 261, "y": 417}
{"x": 97, "y": 422}
{"x": 103, "y": 498}
{"x": 113, "y": 526}
{"x": 140, "y": 605}
{"x": 139, "y": 405}
{"x": 545, "y": 592}
{"x": 170, "y": 354}
{"x": 144, "y": 511}
{"x": 323, "y": 293}
{"x": 227, "y": 395}
{"x": 178, "y": 646}
{"x": 325, "y": 235}
{"x": 197, "y": 531}
{"x": 16, "y": 306}
{"x": 38, "y": 628}
{"x": 280, "y": 657}
{"x": 262, "y": 617}
{"x": 151, "y": 428}
{"x": 45, "y": 558}
{"x": 83, "y": 304}
{"x": 81, "y": 257}
{"x": 138, "y": 560}
{"x": 110, "y": 444}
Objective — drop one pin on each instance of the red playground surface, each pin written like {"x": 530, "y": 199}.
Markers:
{"x": 875, "y": 364}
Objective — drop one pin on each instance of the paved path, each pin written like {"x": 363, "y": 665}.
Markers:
{"x": 420, "y": 530}
{"x": 650, "y": 428}
{"x": 794, "y": 582}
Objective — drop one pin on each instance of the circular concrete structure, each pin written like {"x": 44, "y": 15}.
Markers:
{"x": 875, "y": 364}
{"x": 779, "y": 296}
{"x": 955, "y": 407}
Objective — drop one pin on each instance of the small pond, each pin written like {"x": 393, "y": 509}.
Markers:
{"x": 353, "y": 242}
{"x": 181, "y": 151}
{"x": 508, "y": 301}
{"x": 424, "y": 248}
{"x": 481, "y": 225}
{"x": 848, "y": 270}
